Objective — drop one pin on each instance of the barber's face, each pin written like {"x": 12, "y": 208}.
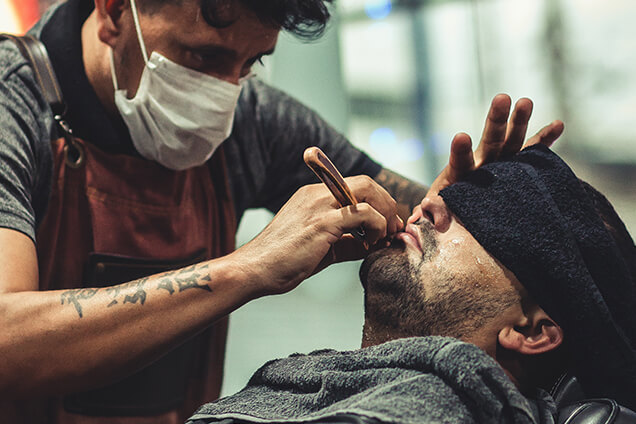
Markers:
{"x": 435, "y": 279}
{"x": 179, "y": 32}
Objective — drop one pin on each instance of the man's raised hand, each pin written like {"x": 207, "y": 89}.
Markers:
{"x": 503, "y": 136}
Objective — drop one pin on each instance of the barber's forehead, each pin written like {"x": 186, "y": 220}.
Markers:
{"x": 217, "y": 9}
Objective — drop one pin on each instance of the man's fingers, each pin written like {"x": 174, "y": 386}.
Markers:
{"x": 461, "y": 158}
{"x": 461, "y": 161}
{"x": 547, "y": 135}
{"x": 494, "y": 134}
{"x": 517, "y": 127}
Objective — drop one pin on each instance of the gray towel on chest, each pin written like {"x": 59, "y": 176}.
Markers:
{"x": 415, "y": 380}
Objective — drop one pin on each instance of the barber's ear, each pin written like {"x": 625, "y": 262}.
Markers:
{"x": 109, "y": 14}
{"x": 536, "y": 333}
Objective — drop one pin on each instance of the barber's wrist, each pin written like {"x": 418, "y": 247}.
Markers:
{"x": 245, "y": 276}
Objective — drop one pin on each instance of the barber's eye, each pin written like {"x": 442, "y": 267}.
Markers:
{"x": 258, "y": 60}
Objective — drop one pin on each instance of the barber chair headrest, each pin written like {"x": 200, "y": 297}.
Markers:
{"x": 575, "y": 408}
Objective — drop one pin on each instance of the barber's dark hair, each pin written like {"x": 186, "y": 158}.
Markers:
{"x": 306, "y": 19}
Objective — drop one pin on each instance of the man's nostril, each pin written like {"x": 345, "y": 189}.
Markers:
{"x": 429, "y": 216}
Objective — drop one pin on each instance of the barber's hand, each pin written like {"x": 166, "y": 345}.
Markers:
{"x": 299, "y": 240}
{"x": 502, "y": 137}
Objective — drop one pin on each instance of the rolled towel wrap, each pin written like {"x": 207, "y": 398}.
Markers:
{"x": 536, "y": 217}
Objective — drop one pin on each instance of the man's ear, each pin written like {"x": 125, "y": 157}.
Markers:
{"x": 109, "y": 14}
{"x": 536, "y": 333}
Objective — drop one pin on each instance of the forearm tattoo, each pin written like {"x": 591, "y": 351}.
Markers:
{"x": 74, "y": 297}
{"x": 407, "y": 193}
{"x": 133, "y": 292}
{"x": 184, "y": 279}
{"x": 136, "y": 292}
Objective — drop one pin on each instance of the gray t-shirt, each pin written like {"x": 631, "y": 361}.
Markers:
{"x": 264, "y": 152}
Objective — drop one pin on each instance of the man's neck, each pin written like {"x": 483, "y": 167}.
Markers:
{"x": 373, "y": 334}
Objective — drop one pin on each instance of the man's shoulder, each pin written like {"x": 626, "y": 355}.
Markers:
{"x": 11, "y": 60}
{"x": 23, "y": 105}
{"x": 17, "y": 78}
{"x": 19, "y": 87}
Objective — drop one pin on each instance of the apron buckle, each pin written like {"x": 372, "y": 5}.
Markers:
{"x": 73, "y": 151}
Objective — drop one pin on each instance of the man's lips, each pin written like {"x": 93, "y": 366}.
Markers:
{"x": 411, "y": 237}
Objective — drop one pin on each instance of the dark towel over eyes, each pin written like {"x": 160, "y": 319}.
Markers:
{"x": 535, "y": 216}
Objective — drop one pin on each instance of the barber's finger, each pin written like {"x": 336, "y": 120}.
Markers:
{"x": 517, "y": 127}
{"x": 363, "y": 214}
{"x": 345, "y": 249}
{"x": 494, "y": 134}
{"x": 348, "y": 249}
{"x": 368, "y": 191}
{"x": 547, "y": 135}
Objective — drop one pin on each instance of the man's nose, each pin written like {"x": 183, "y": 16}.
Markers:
{"x": 434, "y": 209}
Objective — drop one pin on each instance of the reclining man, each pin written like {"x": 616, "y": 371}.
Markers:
{"x": 526, "y": 271}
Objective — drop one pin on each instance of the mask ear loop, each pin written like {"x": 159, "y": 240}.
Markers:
{"x": 111, "y": 58}
{"x": 142, "y": 44}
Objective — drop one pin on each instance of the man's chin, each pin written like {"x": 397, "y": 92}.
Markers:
{"x": 377, "y": 258}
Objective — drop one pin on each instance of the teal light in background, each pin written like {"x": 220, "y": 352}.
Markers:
{"x": 383, "y": 142}
{"x": 387, "y": 147}
{"x": 412, "y": 150}
{"x": 378, "y": 9}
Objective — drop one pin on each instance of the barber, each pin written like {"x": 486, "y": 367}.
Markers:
{"x": 117, "y": 263}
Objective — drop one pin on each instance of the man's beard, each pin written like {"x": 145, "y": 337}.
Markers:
{"x": 398, "y": 305}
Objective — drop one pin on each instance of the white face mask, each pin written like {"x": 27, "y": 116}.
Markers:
{"x": 179, "y": 116}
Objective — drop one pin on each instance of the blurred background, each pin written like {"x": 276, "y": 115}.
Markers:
{"x": 400, "y": 78}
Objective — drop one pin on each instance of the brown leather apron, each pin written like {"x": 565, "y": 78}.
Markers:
{"x": 114, "y": 218}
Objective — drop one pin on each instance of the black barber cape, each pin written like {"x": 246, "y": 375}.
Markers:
{"x": 414, "y": 380}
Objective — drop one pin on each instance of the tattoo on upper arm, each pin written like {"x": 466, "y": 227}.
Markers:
{"x": 403, "y": 190}
{"x": 193, "y": 277}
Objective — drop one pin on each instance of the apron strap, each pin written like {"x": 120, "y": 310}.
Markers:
{"x": 35, "y": 52}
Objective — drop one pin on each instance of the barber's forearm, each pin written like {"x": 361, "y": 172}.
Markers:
{"x": 64, "y": 341}
{"x": 407, "y": 193}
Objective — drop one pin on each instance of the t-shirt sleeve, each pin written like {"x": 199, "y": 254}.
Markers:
{"x": 284, "y": 128}
{"x": 24, "y": 123}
